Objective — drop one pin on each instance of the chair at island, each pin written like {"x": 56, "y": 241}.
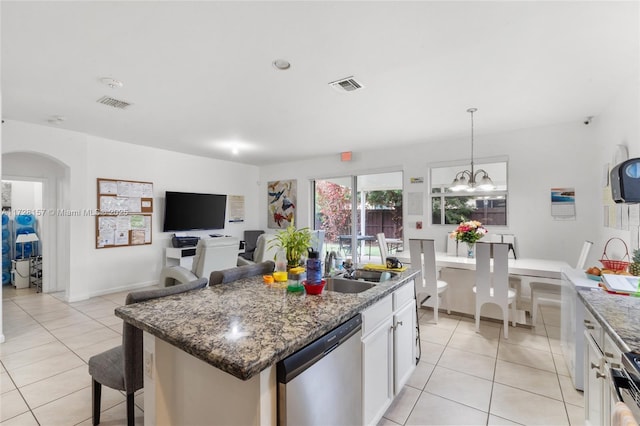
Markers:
{"x": 212, "y": 254}
{"x": 494, "y": 287}
{"x": 382, "y": 244}
{"x": 239, "y": 272}
{"x": 423, "y": 257}
{"x": 121, "y": 368}
{"x": 544, "y": 293}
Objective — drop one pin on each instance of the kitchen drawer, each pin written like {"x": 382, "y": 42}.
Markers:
{"x": 376, "y": 314}
{"x": 593, "y": 327}
{"x": 403, "y": 295}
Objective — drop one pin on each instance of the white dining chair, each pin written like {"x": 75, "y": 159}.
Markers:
{"x": 549, "y": 293}
{"x": 494, "y": 287}
{"x": 423, "y": 257}
{"x": 384, "y": 251}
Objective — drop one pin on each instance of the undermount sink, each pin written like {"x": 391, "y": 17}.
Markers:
{"x": 343, "y": 285}
{"x": 372, "y": 276}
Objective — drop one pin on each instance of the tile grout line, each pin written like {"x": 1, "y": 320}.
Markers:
{"x": 40, "y": 324}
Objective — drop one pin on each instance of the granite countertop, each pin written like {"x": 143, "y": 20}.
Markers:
{"x": 246, "y": 326}
{"x": 618, "y": 314}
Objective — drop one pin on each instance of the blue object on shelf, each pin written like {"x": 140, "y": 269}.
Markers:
{"x": 25, "y": 220}
{"x": 5, "y": 233}
{"x": 25, "y": 230}
{"x": 6, "y": 277}
{"x": 5, "y": 219}
{"x": 28, "y": 248}
{"x": 5, "y": 247}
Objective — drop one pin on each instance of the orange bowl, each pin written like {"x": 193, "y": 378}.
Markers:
{"x": 314, "y": 288}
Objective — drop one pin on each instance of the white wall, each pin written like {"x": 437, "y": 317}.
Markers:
{"x": 619, "y": 124}
{"x": 97, "y": 271}
{"x": 539, "y": 159}
{"x": 25, "y": 195}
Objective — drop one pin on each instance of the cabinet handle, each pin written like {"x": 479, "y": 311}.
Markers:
{"x": 586, "y": 321}
{"x": 393, "y": 327}
{"x": 589, "y": 327}
{"x": 615, "y": 365}
{"x": 608, "y": 354}
{"x": 398, "y": 323}
{"x": 594, "y": 365}
{"x": 600, "y": 375}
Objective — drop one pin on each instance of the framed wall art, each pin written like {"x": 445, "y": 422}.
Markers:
{"x": 281, "y": 203}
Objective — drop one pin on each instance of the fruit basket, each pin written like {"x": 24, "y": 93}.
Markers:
{"x": 615, "y": 265}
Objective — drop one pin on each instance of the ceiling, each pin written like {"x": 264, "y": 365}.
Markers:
{"x": 200, "y": 80}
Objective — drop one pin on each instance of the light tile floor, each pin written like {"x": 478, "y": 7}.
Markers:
{"x": 44, "y": 377}
{"x": 469, "y": 378}
{"x": 463, "y": 378}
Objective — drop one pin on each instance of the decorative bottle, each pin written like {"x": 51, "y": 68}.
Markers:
{"x": 314, "y": 267}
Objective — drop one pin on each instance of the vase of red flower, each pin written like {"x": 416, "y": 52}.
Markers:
{"x": 469, "y": 232}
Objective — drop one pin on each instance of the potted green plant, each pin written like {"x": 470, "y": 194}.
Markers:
{"x": 294, "y": 242}
{"x": 634, "y": 268}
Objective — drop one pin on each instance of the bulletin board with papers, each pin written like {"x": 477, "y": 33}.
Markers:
{"x": 124, "y": 213}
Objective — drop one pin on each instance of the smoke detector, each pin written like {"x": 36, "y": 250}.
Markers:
{"x": 348, "y": 84}
{"x": 113, "y": 102}
{"x": 56, "y": 119}
{"x": 111, "y": 82}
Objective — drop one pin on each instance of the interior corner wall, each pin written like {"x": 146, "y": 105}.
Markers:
{"x": 539, "y": 159}
{"x": 619, "y": 124}
{"x": 99, "y": 271}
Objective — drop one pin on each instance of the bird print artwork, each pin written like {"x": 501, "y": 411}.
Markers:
{"x": 282, "y": 203}
{"x": 276, "y": 196}
{"x": 287, "y": 204}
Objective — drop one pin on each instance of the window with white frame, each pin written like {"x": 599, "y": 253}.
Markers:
{"x": 486, "y": 206}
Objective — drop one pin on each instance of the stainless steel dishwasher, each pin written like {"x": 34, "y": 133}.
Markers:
{"x": 321, "y": 384}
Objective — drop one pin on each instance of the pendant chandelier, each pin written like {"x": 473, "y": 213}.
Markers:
{"x": 468, "y": 179}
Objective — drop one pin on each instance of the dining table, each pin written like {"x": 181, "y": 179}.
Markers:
{"x": 459, "y": 273}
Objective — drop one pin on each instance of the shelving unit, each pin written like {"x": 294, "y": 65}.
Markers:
{"x": 35, "y": 273}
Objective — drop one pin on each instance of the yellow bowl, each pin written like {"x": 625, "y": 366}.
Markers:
{"x": 280, "y": 276}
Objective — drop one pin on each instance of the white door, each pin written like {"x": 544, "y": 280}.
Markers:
{"x": 404, "y": 345}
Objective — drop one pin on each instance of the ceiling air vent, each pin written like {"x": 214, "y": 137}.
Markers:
{"x": 348, "y": 84}
{"x": 112, "y": 102}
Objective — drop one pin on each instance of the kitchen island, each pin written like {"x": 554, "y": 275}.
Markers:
{"x": 210, "y": 354}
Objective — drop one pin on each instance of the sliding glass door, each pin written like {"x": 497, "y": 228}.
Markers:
{"x": 353, "y": 209}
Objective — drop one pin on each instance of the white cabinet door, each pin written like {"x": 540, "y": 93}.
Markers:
{"x": 377, "y": 369}
{"x": 612, "y": 356}
{"x": 593, "y": 383}
{"x": 404, "y": 344}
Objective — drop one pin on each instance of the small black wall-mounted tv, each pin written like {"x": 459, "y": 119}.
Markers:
{"x": 189, "y": 211}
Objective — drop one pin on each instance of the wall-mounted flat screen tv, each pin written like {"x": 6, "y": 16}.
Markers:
{"x": 188, "y": 211}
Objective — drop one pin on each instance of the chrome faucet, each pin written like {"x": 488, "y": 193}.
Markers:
{"x": 329, "y": 261}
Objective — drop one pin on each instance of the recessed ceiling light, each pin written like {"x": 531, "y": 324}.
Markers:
{"x": 112, "y": 83}
{"x": 281, "y": 64}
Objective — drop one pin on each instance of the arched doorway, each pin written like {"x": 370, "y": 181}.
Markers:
{"x": 54, "y": 245}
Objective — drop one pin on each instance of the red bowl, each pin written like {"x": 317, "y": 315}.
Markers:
{"x": 314, "y": 288}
